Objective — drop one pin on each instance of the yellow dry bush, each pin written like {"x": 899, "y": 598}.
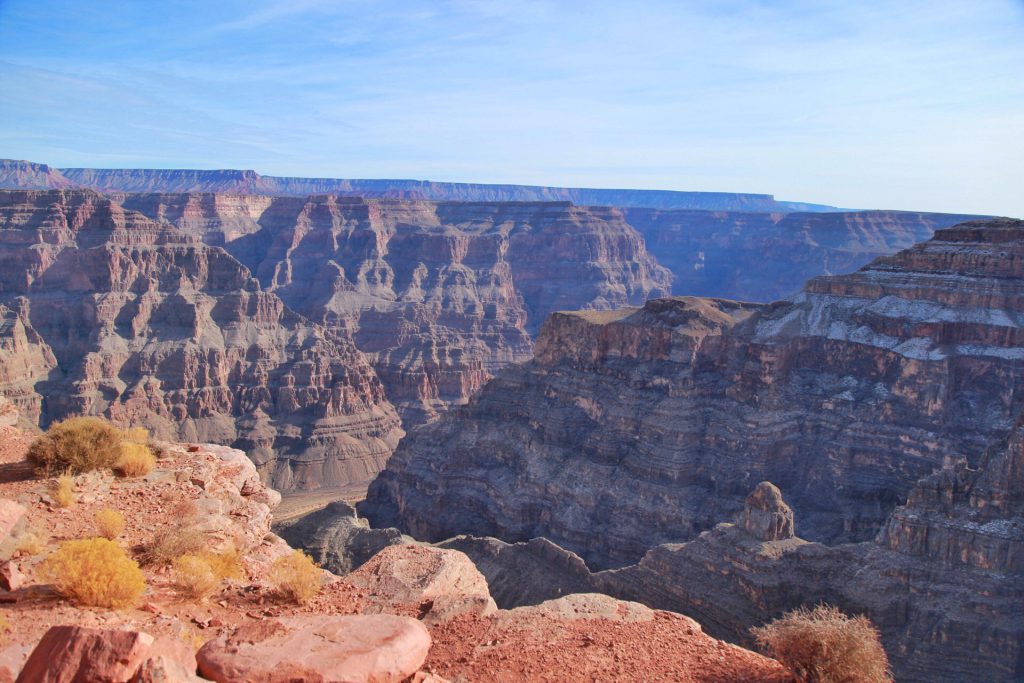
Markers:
{"x": 194, "y": 578}
{"x": 95, "y": 572}
{"x": 79, "y": 444}
{"x": 29, "y": 543}
{"x": 109, "y": 523}
{"x": 226, "y": 563}
{"x": 64, "y": 490}
{"x": 136, "y": 459}
{"x": 823, "y": 645}
{"x": 136, "y": 435}
{"x": 296, "y": 577}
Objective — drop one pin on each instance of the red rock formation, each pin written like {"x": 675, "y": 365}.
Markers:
{"x": 438, "y": 295}
{"x": 111, "y": 313}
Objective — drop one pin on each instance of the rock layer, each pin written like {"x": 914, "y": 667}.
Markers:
{"x": 110, "y": 313}
{"x": 769, "y": 256}
{"x": 438, "y": 295}
{"x": 648, "y": 426}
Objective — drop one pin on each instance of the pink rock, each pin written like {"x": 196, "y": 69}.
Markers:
{"x": 442, "y": 583}
{"x": 74, "y": 654}
{"x": 351, "y": 649}
{"x": 11, "y": 514}
{"x": 169, "y": 661}
{"x": 12, "y": 658}
{"x": 11, "y": 578}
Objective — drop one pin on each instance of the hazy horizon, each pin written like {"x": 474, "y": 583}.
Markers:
{"x": 912, "y": 105}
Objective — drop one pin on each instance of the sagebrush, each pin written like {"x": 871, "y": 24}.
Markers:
{"x": 78, "y": 444}
{"x": 136, "y": 460}
{"x": 109, "y": 523}
{"x": 194, "y": 578}
{"x": 64, "y": 490}
{"x": 95, "y": 572}
{"x": 296, "y": 577}
{"x": 823, "y": 645}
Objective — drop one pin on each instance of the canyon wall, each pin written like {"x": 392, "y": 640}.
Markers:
{"x": 769, "y": 256}
{"x": 107, "y": 312}
{"x": 650, "y": 425}
{"x": 438, "y": 295}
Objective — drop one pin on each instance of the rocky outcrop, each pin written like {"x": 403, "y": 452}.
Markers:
{"x": 526, "y": 573}
{"x": 74, "y": 653}
{"x": 26, "y": 175}
{"x": 439, "y": 584}
{"x": 337, "y": 538}
{"x": 647, "y": 427}
{"x": 765, "y": 514}
{"x": 111, "y": 313}
{"x": 769, "y": 256}
{"x": 358, "y": 648}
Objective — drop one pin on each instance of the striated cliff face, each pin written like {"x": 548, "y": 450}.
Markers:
{"x": 107, "y": 312}
{"x": 438, "y": 295}
{"x": 649, "y": 426}
{"x": 769, "y": 256}
{"x": 943, "y": 581}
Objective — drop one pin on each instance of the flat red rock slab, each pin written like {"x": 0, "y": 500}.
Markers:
{"x": 323, "y": 649}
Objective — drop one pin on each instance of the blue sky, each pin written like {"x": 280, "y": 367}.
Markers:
{"x": 902, "y": 104}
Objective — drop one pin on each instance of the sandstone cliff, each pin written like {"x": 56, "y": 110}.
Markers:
{"x": 438, "y": 295}
{"x": 107, "y": 312}
{"x": 645, "y": 427}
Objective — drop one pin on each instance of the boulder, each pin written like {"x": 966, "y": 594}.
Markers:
{"x": 440, "y": 583}
{"x": 168, "y": 661}
{"x": 353, "y": 649}
{"x": 766, "y": 515}
{"x": 71, "y": 654}
{"x": 11, "y": 578}
{"x": 12, "y": 658}
{"x": 11, "y": 514}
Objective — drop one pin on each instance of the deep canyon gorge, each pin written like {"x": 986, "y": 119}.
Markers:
{"x": 718, "y": 404}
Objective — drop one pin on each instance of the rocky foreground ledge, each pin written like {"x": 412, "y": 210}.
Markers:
{"x": 410, "y": 613}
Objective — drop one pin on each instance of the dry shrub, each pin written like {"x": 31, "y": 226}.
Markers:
{"x": 296, "y": 577}
{"x": 194, "y": 578}
{"x": 823, "y": 645}
{"x": 109, "y": 523}
{"x": 29, "y": 543}
{"x": 181, "y": 538}
{"x": 226, "y": 563}
{"x": 95, "y": 572}
{"x": 64, "y": 490}
{"x": 136, "y": 459}
{"x": 136, "y": 435}
{"x": 79, "y": 444}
